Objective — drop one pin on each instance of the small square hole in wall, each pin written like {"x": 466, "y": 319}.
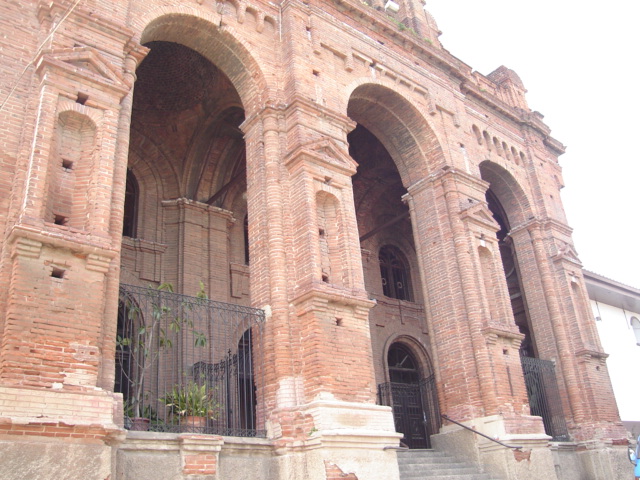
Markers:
{"x": 57, "y": 272}
{"x": 60, "y": 219}
{"x": 321, "y": 232}
{"x": 505, "y": 351}
{"x": 325, "y": 278}
{"x": 67, "y": 164}
{"x": 82, "y": 98}
{"x": 338, "y": 322}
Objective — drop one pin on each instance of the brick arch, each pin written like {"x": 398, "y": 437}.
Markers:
{"x": 67, "y": 106}
{"x": 509, "y": 193}
{"x": 330, "y": 238}
{"x": 400, "y": 127}
{"x": 198, "y": 29}
{"x": 416, "y": 347}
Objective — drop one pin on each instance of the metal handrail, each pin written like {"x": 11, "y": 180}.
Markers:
{"x": 479, "y": 433}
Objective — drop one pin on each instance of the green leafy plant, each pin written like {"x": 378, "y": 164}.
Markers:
{"x": 152, "y": 332}
{"x": 147, "y": 411}
{"x": 191, "y": 399}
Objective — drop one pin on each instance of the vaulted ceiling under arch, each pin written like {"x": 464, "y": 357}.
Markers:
{"x": 190, "y": 112}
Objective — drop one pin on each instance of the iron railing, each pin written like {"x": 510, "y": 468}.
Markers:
{"x": 514, "y": 447}
{"x": 416, "y": 413}
{"x": 544, "y": 396}
{"x": 188, "y": 363}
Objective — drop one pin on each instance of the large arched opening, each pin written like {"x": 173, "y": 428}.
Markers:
{"x": 394, "y": 148}
{"x": 510, "y": 208}
{"x": 504, "y": 191}
{"x": 186, "y": 259}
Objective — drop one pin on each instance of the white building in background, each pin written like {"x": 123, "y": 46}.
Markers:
{"x": 616, "y": 308}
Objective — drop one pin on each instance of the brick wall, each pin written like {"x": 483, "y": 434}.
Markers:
{"x": 245, "y": 110}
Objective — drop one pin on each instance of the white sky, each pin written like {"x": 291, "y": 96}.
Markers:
{"x": 580, "y": 64}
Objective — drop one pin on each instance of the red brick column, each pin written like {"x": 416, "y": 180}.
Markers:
{"x": 474, "y": 338}
{"x": 270, "y": 261}
{"x": 559, "y": 312}
{"x": 107, "y": 366}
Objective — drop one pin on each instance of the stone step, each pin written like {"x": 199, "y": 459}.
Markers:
{"x": 435, "y": 465}
{"x": 439, "y": 469}
{"x": 474, "y": 476}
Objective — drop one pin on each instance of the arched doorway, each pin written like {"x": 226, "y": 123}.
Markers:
{"x": 412, "y": 396}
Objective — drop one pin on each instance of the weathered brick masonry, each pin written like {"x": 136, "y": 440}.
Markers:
{"x": 396, "y": 214}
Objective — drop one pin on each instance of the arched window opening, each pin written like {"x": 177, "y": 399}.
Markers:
{"x": 395, "y": 274}
{"x": 635, "y": 324}
{"x": 330, "y": 240}
{"x": 487, "y": 140}
{"x": 477, "y": 133}
{"x": 403, "y": 367}
{"x": 131, "y": 194}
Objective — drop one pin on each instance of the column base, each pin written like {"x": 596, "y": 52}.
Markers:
{"x": 58, "y": 434}
{"x": 530, "y": 462}
{"x": 591, "y": 461}
{"x": 344, "y": 440}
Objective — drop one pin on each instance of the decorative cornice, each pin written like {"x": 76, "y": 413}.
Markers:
{"x": 492, "y": 335}
{"x": 324, "y": 154}
{"x": 28, "y": 239}
{"x": 84, "y": 65}
{"x": 320, "y": 295}
{"x": 567, "y": 253}
{"x": 588, "y": 354}
{"x": 479, "y": 213}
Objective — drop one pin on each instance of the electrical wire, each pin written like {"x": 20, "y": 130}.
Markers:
{"x": 38, "y": 51}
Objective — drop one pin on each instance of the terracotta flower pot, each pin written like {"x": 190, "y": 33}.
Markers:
{"x": 193, "y": 424}
{"x": 140, "y": 424}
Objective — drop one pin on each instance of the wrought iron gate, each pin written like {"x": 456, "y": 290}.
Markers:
{"x": 415, "y": 410}
{"x": 544, "y": 396}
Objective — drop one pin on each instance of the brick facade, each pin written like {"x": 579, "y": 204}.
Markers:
{"x": 337, "y": 130}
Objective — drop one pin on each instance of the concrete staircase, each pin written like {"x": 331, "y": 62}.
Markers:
{"x": 433, "y": 465}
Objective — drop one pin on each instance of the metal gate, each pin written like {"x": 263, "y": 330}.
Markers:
{"x": 544, "y": 396}
{"x": 177, "y": 354}
{"x": 415, "y": 410}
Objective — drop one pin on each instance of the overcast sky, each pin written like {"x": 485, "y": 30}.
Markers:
{"x": 581, "y": 69}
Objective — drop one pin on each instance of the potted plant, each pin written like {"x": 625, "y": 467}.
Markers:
{"x": 136, "y": 420}
{"x": 193, "y": 404}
